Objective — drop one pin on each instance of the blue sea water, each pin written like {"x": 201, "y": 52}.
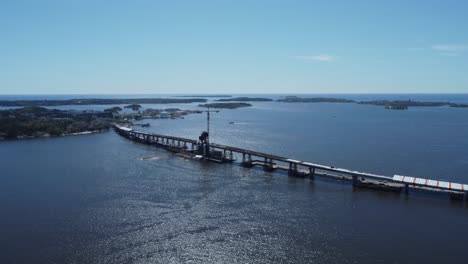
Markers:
{"x": 104, "y": 199}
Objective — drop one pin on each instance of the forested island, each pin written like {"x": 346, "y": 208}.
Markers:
{"x": 204, "y": 96}
{"x": 388, "y": 104}
{"x": 409, "y": 103}
{"x": 245, "y": 99}
{"x": 134, "y": 107}
{"x": 294, "y": 99}
{"x": 225, "y": 105}
{"x": 90, "y": 101}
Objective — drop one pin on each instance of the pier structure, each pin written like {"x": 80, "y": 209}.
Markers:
{"x": 222, "y": 153}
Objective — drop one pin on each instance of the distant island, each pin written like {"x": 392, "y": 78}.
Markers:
{"x": 457, "y": 105}
{"x": 294, "y": 99}
{"x": 134, "y": 107}
{"x": 114, "y": 109}
{"x": 204, "y": 96}
{"x": 393, "y": 105}
{"x": 22, "y": 103}
{"x": 399, "y": 105}
{"x": 225, "y": 105}
{"x": 245, "y": 99}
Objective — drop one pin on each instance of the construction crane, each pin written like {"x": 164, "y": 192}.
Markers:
{"x": 205, "y": 136}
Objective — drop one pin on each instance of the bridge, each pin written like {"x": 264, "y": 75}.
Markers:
{"x": 199, "y": 149}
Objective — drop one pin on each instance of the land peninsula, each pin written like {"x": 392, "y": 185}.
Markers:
{"x": 90, "y": 101}
{"x": 34, "y": 121}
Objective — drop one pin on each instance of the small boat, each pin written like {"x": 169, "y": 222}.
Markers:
{"x": 198, "y": 157}
{"x": 231, "y": 122}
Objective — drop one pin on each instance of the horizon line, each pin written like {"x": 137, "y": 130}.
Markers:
{"x": 224, "y": 94}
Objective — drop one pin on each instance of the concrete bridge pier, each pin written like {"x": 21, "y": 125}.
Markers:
{"x": 311, "y": 172}
{"x": 246, "y": 162}
{"x": 293, "y": 170}
{"x": 355, "y": 180}
{"x": 268, "y": 165}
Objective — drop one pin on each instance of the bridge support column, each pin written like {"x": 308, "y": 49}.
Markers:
{"x": 293, "y": 169}
{"x": 311, "y": 172}
{"x": 268, "y": 165}
{"x": 246, "y": 162}
{"x": 355, "y": 180}
{"x": 406, "y": 188}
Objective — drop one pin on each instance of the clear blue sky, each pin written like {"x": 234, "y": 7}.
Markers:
{"x": 269, "y": 46}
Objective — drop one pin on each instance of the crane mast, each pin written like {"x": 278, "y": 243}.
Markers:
{"x": 205, "y": 137}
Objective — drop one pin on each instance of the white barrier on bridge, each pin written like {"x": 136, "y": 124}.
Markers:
{"x": 431, "y": 183}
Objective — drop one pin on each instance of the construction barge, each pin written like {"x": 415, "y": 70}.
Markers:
{"x": 202, "y": 149}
